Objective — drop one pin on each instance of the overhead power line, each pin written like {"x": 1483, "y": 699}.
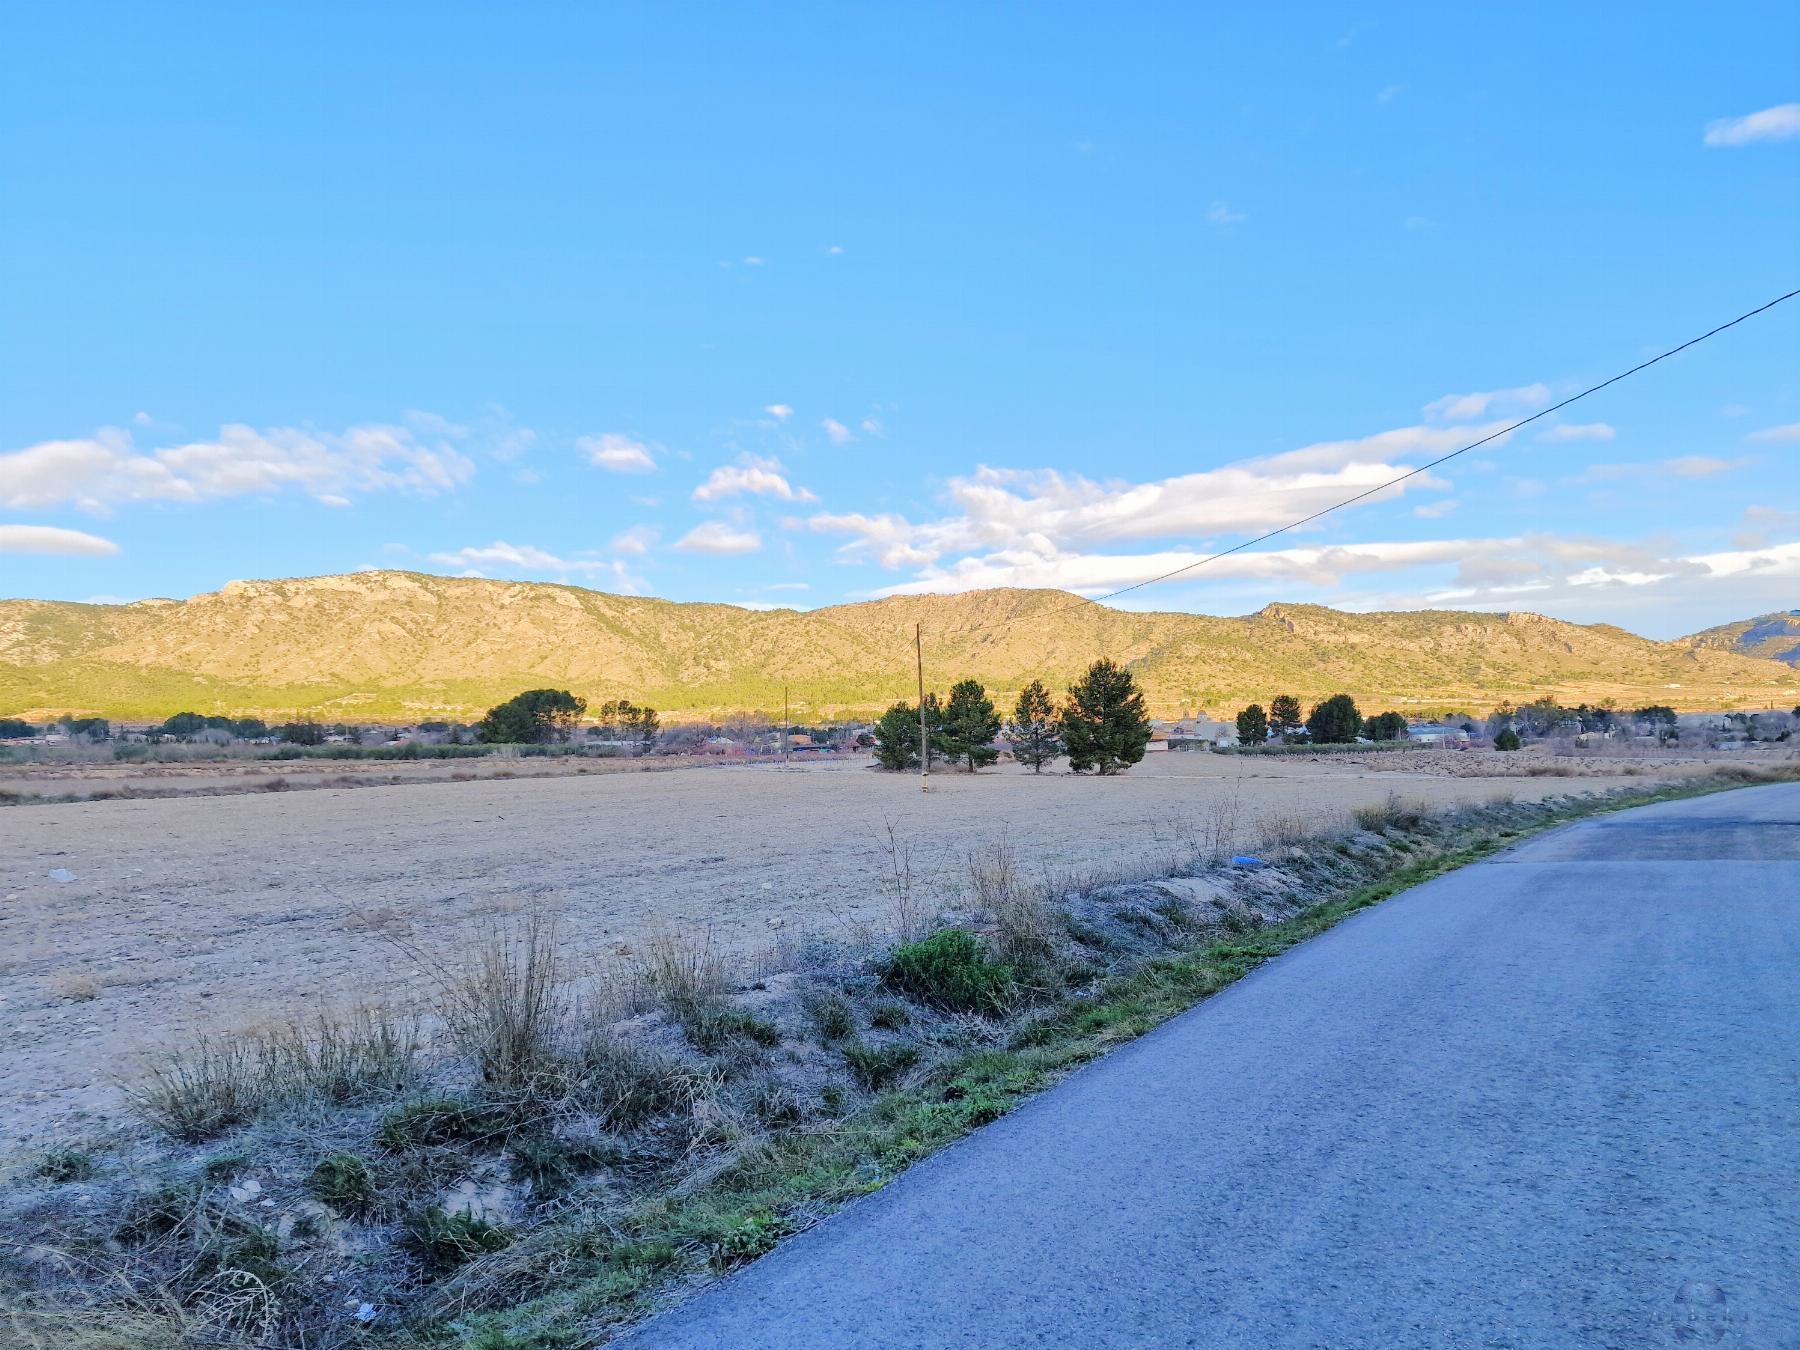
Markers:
{"x": 1395, "y": 482}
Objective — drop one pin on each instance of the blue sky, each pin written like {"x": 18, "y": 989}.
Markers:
{"x": 800, "y": 304}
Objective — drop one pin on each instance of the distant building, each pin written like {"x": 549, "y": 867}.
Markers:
{"x": 1438, "y": 734}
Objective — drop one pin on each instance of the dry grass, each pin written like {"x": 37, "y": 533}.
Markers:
{"x": 370, "y": 1052}
{"x": 507, "y": 1008}
{"x": 194, "y": 1092}
{"x": 1025, "y": 924}
{"x": 1394, "y": 813}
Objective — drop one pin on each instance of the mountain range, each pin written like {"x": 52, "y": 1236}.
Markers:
{"x": 403, "y": 646}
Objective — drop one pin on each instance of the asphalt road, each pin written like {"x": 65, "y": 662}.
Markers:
{"x": 1549, "y": 1100}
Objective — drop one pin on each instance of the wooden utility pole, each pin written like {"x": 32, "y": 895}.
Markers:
{"x": 924, "y": 744}
{"x": 787, "y": 722}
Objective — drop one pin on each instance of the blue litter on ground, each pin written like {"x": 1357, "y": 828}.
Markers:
{"x": 1244, "y": 860}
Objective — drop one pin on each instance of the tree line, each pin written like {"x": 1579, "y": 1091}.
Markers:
{"x": 1102, "y": 725}
{"x": 1333, "y": 721}
{"x": 540, "y": 716}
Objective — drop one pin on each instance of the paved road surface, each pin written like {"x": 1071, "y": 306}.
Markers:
{"x": 1550, "y": 1100}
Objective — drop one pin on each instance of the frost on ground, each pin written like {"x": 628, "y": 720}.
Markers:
{"x": 186, "y": 914}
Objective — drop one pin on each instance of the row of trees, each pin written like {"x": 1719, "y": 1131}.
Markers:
{"x": 1102, "y": 725}
{"x": 1333, "y": 721}
{"x": 539, "y": 716}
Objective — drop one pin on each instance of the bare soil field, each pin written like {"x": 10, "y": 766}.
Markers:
{"x": 129, "y": 923}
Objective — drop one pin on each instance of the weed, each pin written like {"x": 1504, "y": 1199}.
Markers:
{"x": 951, "y": 970}
{"x": 875, "y": 1066}
{"x": 775, "y": 1106}
{"x": 441, "y": 1242}
{"x": 197, "y": 1091}
{"x": 344, "y": 1182}
{"x": 551, "y": 1165}
{"x": 747, "y": 1238}
{"x": 435, "y": 1121}
{"x": 225, "y": 1166}
{"x": 831, "y": 1098}
{"x": 832, "y": 1015}
{"x": 368, "y": 1053}
{"x": 64, "y": 1165}
{"x": 627, "y": 1085}
{"x": 507, "y": 1007}
{"x": 889, "y": 1014}
{"x": 1025, "y": 923}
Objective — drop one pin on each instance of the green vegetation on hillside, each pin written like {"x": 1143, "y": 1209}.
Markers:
{"x": 403, "y": 647}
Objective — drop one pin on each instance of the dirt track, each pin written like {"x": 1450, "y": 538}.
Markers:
{"x": 189, "y": 913}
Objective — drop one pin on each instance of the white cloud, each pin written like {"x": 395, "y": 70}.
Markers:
{"x": 789, "y": 586}
{"x": 871, "y": 426}
{"x": 1776, "y": 435}
{"x": 1579, "y": 431}
{"x": 505, "y": 557}
{"x": 717, "y": 538}
{"x": 779, "y": 411}
{"x": 1389, "y": 94}
{"x": 52, "y": 540}
{"x": 752, "y": 474}
{"x": 1771, "y": 124}
{"x": 837, "y": 431}
{"x": 1436, "y": 510}
{"x": 636, "y": 541}
{"x": 753, "y": 262}
{"x": 1045, "y": 511}
{"x": 1682, "y": 466}
{"x": 108, "y": 469}
{"x": 1220, "y": 213}
{"x": 616, "y": 453}
{"x": 1419, "y": 223}
{"x": 1460, "y": 407}
{"x": 834, "y": 250}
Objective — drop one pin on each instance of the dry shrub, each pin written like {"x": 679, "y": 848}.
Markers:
{"x": 1394, "y": 813}
{"x": 1025, "y": 924}
{"x": 628, "y": 1085}
{"x": 195, "y": 1091}
{"x": 508, "y": 1006}
{"x": 688, "y": 978}
{"x": 370, "y": 1052}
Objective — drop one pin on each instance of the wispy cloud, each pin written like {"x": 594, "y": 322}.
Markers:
{"x": 1578, "y": 431}
{"x": 636, "y": 541}
{"x": 1460, "y": 407}
{"x": 49, "y": 539}
{"x": 1776, "y": 435}
{"x": 1389, "y": 94}
{"x": 716, "y": 538}
{"x": 1771, "y": 124}
{"x": 616, "y": 453}
{"x": 503, "y": 557}
{"x": 837, "y": 432}
{"x": 779, "y": 411}
{"x": 754, "y": 475}
{"x": 107, "y": 469}
{"x": 1221, "y": 213}
{"x": 1049, "y": 512}
{"x": 1682, "y": 466}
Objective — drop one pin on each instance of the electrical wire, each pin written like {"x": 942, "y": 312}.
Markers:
{"x": 1382, "y": 487}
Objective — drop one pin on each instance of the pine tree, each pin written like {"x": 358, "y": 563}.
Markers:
{"x": 1252, "y": 725}
{"x": 897, "y": 738}
{"x": 970, "y": 725}
{"x": 1104, "y": 723}
{"x": 1335, "y": 721}
{"x": 1284, "y": 715}
{"x": 1035, "y": 731}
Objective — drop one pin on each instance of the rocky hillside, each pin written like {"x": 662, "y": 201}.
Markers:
{"x": 1771, "y": 637}
{"x": 403, "y": 646}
